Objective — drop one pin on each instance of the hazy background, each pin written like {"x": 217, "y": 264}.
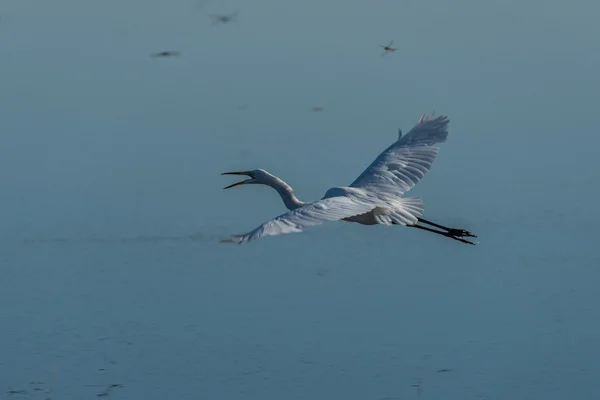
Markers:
{"x": 112, "y": 203}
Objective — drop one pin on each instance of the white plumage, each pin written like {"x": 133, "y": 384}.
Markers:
{"x": 373, "y": 198}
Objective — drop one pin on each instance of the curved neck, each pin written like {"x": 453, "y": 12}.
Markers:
{"x": 286, "y": 193}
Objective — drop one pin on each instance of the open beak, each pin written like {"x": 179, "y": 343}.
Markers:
{"x": 237, "y": 173}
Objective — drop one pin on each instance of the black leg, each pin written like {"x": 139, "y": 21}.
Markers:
{"x": 453, "y": 231}
{"x": 447, "y": 234}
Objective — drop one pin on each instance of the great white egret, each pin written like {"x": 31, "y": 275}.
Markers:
{"x": 373, "y": 198}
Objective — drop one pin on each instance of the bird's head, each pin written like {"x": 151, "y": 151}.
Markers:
{"x": 259, "y": 176}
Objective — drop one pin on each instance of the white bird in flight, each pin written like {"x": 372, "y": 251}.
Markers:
{"x": 373, "y": 198}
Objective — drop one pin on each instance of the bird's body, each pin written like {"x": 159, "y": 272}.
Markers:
{"x": 373, "y": 198}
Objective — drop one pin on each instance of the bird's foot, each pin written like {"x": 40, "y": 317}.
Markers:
{"x": 460, "y": 233}
{"x": 450, "y": 235}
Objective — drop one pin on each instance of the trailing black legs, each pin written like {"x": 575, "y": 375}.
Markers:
{"x": 452, "y": 233}
{"x": 447, "y": 234}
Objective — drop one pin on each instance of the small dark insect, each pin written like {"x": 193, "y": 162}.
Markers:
{"x": 388, "y": 48}
{"x": 16, "y": 392}
{"x": 224, "y": 19}
{"x": 166, "y": 54}
{"x": 444, "y": 370}
{"x": 317, "y": 109}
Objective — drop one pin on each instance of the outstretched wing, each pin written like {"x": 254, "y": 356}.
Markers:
{"x": 399, "y": 167}
{"x": 324, "y": 210}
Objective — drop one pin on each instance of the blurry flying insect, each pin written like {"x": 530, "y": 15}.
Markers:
{"x": 166, "y": 54}
{"x": 224, "y": 19}
{"x": 317, "y": 109}
{"x": 388, "y": 48}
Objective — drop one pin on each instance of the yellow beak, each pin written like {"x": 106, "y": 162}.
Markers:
{"x": 237, "y": 173}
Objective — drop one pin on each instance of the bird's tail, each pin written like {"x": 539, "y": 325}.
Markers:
{"x": 405, "y": 211}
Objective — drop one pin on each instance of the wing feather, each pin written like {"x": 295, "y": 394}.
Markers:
{"x": 403, "y": 164}
{"x": 319, "y": 212}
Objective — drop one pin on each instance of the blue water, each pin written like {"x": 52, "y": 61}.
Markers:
{"x": 112, "y": 208}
